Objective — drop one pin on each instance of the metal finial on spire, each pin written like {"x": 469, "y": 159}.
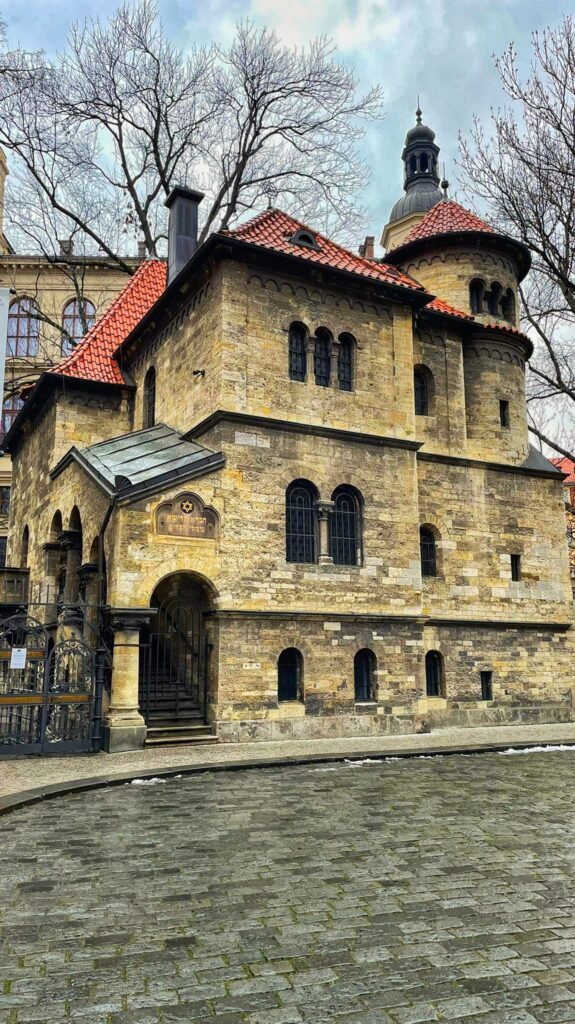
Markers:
{"x": 418, "y": 112}
{"x": 444, "y": 185}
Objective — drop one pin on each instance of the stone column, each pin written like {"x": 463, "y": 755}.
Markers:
{"x": 334, "y": 375}
{"x": 124, "y": 727}
{"x": 324, "y": 509}
{"x": 309, "y": 357}
{"x": 71, "y": 540}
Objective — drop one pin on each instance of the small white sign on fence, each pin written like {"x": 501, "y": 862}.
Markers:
{"x": 18, "y": 657}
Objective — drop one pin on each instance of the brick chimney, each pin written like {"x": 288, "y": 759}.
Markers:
{"x": 183, "y": 205}
{"x": 141, "y": 250}
{"x": 366, "y": 248}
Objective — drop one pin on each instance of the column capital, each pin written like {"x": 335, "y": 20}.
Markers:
{"x": 129, "y": 618}
{"x": 71, "y": 540}
{"x": 324, "y": 508}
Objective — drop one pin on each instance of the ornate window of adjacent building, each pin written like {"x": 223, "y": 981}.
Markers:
{"x": 78, "y": 317}
{"x": 301, "y": 541}
{"x": 297, "y": 352}
{"x": 4, "y": 501}
{"x": 322, "y": 357}
{"x": 290, "y": 675}
{"x": 434, "y": 674}
{"x": 149, "y": 416}
{"x": 427, "y": 545}
{"x": 345, "y": 527}
{"x": 10, "y": 409}
{"x": 364, "y": 668}
{"x": 23, "y": 327}
{"x": 345, "y": 362}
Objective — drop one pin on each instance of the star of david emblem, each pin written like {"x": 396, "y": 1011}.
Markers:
{"x": 187, "y": 506}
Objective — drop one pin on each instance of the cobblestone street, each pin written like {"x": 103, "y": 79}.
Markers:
{"x": 436, "y": 889}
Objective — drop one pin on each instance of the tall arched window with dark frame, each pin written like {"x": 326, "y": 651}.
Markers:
{"x": 297, "y": 352}
{"x": 345, "y": 527}
{"x": 301, "y": 522}
{"x": 428, "y": 550}
{"x": 149, "y": 412}
{"x": 322, "y": 357}
{"x": 345, "y": 359}
{"x": 23, "y": 327}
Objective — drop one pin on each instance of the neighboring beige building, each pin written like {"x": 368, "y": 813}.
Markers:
{"x": 55, "y": 300}
{"x": 304, "y": 482}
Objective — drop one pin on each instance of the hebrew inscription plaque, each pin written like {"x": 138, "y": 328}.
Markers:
{"x": 186, "y": 516}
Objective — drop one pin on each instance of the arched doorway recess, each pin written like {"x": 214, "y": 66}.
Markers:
{"x": 175, "y": 653}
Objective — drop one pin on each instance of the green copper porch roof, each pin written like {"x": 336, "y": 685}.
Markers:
{"x": 144, "y": 462}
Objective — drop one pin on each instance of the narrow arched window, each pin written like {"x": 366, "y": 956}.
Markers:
{"x": 149, "y": 417}
{"x": 428, "y": 552}
{"x": 423, "y": 163}
{"x": 413, "y": 165}
{"x": 300, "y": 522}
{"x": 495, "y": 299}
{"x": 297, "y": 353}
{"x": 508, "y": 306}
{"x": 78, "y": 317}
{"x": 322, "y": 358}
{"x": 434, "y": 674}
{"x": 23, "y": 328}
{"x": 421, "y": 392}
{"x": 24, "y": 548}
{"x": 364, "y": 667}
{"x": 345, "y": 362}
{"x": 290, "y": 675}
{"x": 345, "y": 527}
{"x": 476, "y": 290}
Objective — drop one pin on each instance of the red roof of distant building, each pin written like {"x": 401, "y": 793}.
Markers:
{"x": 276, "y": 230}
{"x": 566, "y": 466}
{"x": 444, "y": 218}
{"x": 92, "y": 359}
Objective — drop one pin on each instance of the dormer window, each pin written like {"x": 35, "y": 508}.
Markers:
{"x": 305, "y": 238}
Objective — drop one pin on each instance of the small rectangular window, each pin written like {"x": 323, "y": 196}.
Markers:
{"x": 516, "y": 568}
{"x": 486, "y": 685}
{"x": 504, "y": 413}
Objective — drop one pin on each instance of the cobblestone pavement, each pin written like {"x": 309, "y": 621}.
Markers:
{"x": 19, "y": 774}
{"x": 402, "y": 892}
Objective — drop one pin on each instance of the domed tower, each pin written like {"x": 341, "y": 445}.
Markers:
{"x": 420, "y": 183}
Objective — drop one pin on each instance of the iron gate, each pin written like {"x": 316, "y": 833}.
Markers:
{"x": 174, "y": 661}
{"x": 49, "y": 700}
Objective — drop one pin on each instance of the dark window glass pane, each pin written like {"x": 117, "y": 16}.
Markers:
{"x": 420, "y": 389}
{"x": 79, "y": 316}
{"x": 23, "y": 328}
{"x": 486, "y": 686}
{"x": 297, "y": 355}
{"x": 345, "y": 364}
{"x": 433, "y": 680}
{"x": 504, "y": 413}
{"x": 344, "y": 530}
{"x": 363, "y": 675}
{"x": 150, "y": 398}
{"x": 516, "y": 568}
{"x": 322, "y": 361}
{"x": 300, "y": 525}
{"x": 10, "y": 410}
{"x": 427, "y": 548}
{"x": 289, "y": 672}
{"x": 4, "y": 501}
{"x": 3, "y": 543}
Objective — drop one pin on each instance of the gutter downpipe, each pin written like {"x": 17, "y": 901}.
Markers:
{"x": 100, "y": 658}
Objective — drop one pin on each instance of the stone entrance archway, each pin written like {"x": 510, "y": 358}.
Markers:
{"x": 175, "y": 658}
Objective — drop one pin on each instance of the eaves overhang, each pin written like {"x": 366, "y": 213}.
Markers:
{"x": 519, "y": 251}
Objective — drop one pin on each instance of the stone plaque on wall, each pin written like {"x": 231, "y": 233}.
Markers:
{"x": 187, "y": 516}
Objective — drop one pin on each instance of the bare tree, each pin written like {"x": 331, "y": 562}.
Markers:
{"x": 99, "y": 134}
{"x": 524, "y": 170}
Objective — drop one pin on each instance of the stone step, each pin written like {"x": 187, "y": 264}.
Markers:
{"x": 156, "y": 737}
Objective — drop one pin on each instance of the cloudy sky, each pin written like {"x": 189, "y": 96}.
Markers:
{"x": 439, "y": 49}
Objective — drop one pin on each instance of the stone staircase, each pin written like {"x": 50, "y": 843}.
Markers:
{"x": 175, "y": 717}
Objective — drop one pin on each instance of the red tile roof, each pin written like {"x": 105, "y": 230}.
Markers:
{"x": 445, "y": 217}
{"x": 274, "y": 229}
{"x": 439, "y": 306}
{"x": 566, "y": 466}
{"x": 92, "y": 359}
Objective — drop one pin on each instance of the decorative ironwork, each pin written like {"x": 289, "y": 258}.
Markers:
{"x": 174, "y": 660}
{"x": 300, "y": 524}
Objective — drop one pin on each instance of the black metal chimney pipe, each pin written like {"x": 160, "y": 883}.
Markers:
{"x": 183, "y": 205}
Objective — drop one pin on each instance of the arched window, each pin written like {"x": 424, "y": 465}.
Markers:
{"x": 508, "y": 306}
{"x": 422, "y": 390}
{"x": 345, "y": 362}
{"x": 300, "y": 522}
{"x": 434, "y": 674}
{"x": 24, "y": 548}
{"x": 495, "y": 299}
{"x": 322, "y": 357}
{"x": 23, "y": 328}
{"x": 364, "y": 666}
{"x": 476, "y": 291}
{"x": 413, "y": 165}
{"x": 56, "y": 527}
{"x": 290, "y": 675}
{"x": 10, "y": 409}
{"x": 345, "y": 527}
{"x": 423, "y": 163}
{"x": 297, "y": 354}
{"x": 78, "y": 317}
{"x": 428, "y": 551}
{"x": 149, "y": 415}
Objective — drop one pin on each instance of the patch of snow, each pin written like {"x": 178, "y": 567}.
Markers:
{"x": 145, "y": 782}
{"x": 538, "y": 750}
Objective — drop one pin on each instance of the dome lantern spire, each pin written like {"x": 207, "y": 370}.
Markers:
{"x": 420, "y": 182}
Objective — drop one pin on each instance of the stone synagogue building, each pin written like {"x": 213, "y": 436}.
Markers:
{"x": 300, "y": 481}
